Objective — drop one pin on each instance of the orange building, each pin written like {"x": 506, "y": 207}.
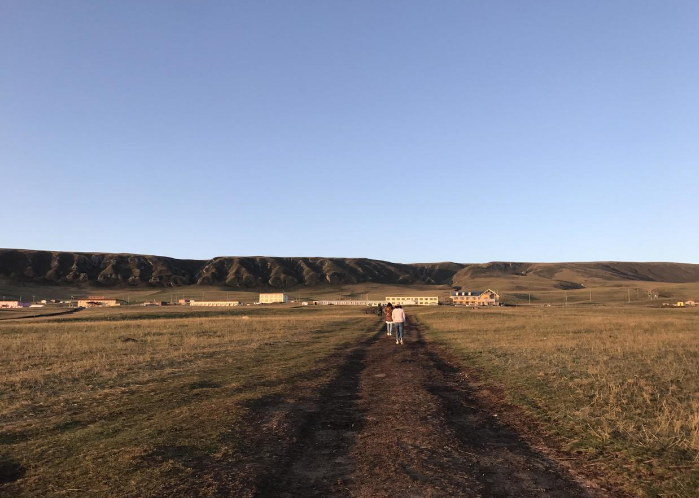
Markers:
{"x": 475, "y": 298}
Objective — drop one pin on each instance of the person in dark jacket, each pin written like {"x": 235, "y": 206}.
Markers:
{"x": 388, "y": 316}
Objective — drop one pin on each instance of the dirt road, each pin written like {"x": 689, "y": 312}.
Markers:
{"x": 403, "y": 421}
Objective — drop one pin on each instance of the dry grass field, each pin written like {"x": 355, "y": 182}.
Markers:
{"x": 620, "y": 385}
{"x": 146, "y": 405}
{"x": 176, "y": 401}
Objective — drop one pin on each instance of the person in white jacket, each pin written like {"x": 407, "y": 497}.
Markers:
{"x": 398, "y": 316}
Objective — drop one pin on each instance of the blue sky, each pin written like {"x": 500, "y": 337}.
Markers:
{"x": 467, "y": 131}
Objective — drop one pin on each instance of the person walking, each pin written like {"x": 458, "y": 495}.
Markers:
{"x": 388, "y": 316}
{"x": 398, "y": 316}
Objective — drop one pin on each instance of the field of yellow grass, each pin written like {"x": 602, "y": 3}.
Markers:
{"x": 145, "y": 406}
{"x": 619, "y": 384}
{"x": 175, "y": 401}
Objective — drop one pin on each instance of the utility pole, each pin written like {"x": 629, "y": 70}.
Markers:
{"x": 629, "y": 291}
{"x": 530, "y": 297}
{"x": 566, "y": 298}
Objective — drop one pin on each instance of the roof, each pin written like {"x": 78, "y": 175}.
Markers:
{"x": 472, "y": 293}
{"x": 213, "y": 301}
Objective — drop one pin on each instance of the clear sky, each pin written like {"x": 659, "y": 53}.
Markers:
{"x": 409, "y": 131}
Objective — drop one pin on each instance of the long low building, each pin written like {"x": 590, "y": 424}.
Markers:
{"x": 214, "y": 303}
{"x": 475, "y": 298}
{"x": 94, "y": 302}
{"x": 413, "y": 300}
{"x": 343, "y": 302}
{"x": 13, "y": 304}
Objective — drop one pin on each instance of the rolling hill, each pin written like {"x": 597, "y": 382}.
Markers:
{"x": 115, "y": 270}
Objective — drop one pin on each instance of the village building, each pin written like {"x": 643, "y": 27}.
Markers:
{"x": 273, "y": 297}
{"x": 343, "y": 302}
{"x": 97, "y": 301}
{"x": 413, "y": 300}
{"x": 475, "y": 298}
{"x": 376, "y": 303}
{"x": 346, "y": 302}
{"x": 214, "y": 303}
{"x": 183, "y": 302}
{"x": 13, "y": 304}
{"x": 690, "y": 302}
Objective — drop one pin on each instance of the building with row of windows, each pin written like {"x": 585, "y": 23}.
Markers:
{"x": 403, "y": 301}
{"x": 475, "y": 298}
{"x": 273, "y": 297}
{"x": 224, "y": 304}
{"x": 413, "y": 300}
{"x": 343, "y": 302}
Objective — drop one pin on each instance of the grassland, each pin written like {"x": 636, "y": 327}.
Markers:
{"x": 620, "y": 385}
{"x": 151, "y": 405}
{"x": 138, "y": 401}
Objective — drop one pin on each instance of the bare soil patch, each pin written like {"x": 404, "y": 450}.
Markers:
{"x": 402, "y": 420}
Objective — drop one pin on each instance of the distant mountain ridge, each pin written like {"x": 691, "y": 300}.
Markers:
{"x": 260, "y": 271}
{"x": 239, "y": 272}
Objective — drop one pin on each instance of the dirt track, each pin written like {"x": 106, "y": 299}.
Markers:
{"x": 403, "y": 421}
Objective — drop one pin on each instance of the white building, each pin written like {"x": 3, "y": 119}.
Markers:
{"x": 273, "y": 297}
{"x": 13, "y": 304}
{"x": 376, "y": 303}
{"x": 344, "y": 302}
{"x": 414, "y": 300}
{"x": 214, "y": 303}
{"x": 96, "y": 301}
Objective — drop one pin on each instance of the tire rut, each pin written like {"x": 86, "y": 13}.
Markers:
{"x": 427, "y": 435}
{"x": 317, "y": 462}
{"x": 401, "y": 420}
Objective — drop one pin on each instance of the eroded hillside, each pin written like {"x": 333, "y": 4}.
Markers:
{"x": 245, "y": 272}
{"x": 262, "y": 271}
